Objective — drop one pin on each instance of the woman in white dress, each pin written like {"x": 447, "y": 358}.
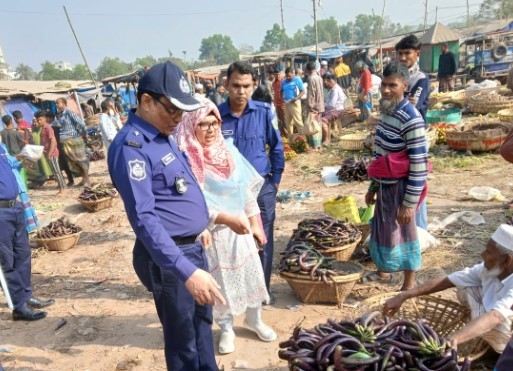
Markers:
{"x": 231, "y": 186}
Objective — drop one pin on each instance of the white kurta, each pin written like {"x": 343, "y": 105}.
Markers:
{"x": 484, "y": 294}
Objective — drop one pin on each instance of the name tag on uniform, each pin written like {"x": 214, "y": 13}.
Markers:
{"x": 227, "y": 132}
{"x": 167, "y": 159}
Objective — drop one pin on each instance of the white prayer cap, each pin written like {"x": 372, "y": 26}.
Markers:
{"x": 198, "y": 86}
{"x": 504, "y": 236}
{"x": 324, "y": 63}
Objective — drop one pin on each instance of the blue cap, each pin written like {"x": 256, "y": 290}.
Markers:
{"x": 169, "y": 80}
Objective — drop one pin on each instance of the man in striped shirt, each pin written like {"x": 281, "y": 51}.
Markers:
{"x": 71, "y": 133}
{"x": 398, "y": 174}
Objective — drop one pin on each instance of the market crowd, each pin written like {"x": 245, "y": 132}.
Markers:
{"x": 199, "y": 174}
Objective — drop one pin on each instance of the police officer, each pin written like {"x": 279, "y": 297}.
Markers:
{"x": 167, "y": 211}
{"x": 15, "y": 255}
{"x": 250, "y": 125}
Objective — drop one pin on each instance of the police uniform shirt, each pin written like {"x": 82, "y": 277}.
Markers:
{"x": 8, "y": 183}
{"x": 161, "y": 195}
{"x": 251, "y": 133}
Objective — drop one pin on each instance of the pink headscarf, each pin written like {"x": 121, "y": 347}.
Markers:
{"x": 216, "y": 159}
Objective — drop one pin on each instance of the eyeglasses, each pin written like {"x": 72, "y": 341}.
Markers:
{"x": 172, "y": 111}
{"x": 205, "y": 126}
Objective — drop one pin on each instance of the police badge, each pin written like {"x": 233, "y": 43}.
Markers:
{"x": 137, "y": 169}
{"x": 181, "y": 185}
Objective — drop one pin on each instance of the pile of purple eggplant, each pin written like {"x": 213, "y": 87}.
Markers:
{"x": 369, "y": 343}
{"x": 324, "y": 233}
{"x": 301, "y": 258}
{"x": 354, "y": 170}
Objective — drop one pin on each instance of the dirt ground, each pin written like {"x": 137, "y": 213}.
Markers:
{"x": 111, "y": 323}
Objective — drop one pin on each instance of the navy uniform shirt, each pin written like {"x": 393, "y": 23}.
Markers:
{"x": 251, "y": 133}
{"x": 145, "y": 166}
{"x": 8, "y": 184}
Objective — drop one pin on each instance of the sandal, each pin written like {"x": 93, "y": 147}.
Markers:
{"x": 374, "y": 277}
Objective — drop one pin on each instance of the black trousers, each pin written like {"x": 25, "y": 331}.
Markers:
{"x": 15, "y": 254}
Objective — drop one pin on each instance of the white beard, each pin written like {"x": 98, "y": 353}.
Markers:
{"x": 388, "y": 106}
{"x": 491, "y": 273}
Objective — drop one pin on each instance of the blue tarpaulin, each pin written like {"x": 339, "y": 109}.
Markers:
{"x": 329, "y": 53}
{"x": 19, "y": 104}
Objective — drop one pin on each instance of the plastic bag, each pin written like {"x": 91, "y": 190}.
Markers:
{"x": 486, "y": 194}
{"x": 32, "y": 152}
{"x": 342, "y": 208}
{"x": 329, "y": 176}
{"x": 470, "y": 217}
{"x": 311, "y": 125}
{"x": 426, "y": 240}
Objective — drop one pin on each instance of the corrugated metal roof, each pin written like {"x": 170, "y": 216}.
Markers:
{"x": 439, "y": 33}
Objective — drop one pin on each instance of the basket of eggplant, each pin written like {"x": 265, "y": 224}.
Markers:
{"x": 97, "y": 197}
{"x": 445, "y": 316}
{"x": 332, "y": 237}
{"x": 315, "y": 278}
{"x": 370, "y": 343}
{"x": 59, "y": 235}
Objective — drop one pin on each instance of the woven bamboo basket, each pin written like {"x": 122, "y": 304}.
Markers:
{"x": 341, "y": 253}
{"x": 353, "y": 142}
{"x": 59, "y": 243}
{"x": 365, "y": 228}
{"x": 310, "y": 292}
{"x": 444, "y": 316}
{"x": 97, "y": 205}
{"x": 93, "y": 120}
{"x": 478, "y": 105}
{"x": 457, "y": 97}
{"x": 506, "y": 115}
{"x": 478, "y": 137}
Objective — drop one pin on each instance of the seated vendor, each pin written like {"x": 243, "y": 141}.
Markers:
{"x": 487, "y": 288}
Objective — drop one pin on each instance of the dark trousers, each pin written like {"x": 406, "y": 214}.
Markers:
{"x": 505, "y": 362}
{"x": 15, "y": 254}
{"x": 267, "y": 203}
{"x": 63, "y": 165}
{"x": 187, "y": 326}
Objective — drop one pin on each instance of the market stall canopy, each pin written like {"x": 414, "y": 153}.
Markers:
{"x": 331, "y": 52}
{"x": 439, "y": 33}
{"x": 45, "y": 90}
{"x": 491, "y": 26}
{"x": 127, "y": 77}
{"x": 273, "y": 55}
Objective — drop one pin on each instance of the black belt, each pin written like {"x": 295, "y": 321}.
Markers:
{"x": 185, "y": 240}
{"x": 7, "y": 203}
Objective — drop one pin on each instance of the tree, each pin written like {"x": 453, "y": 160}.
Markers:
{"x": 492, "y": 9}
{"x": 146, "y": 61}
{"x": 218, "y": 49}
{"x": 246, "y": 49}
{"x": 49, "y": 72}
{"x": 80, "y": 72}
{"x": 24, "y": 72}
{"x": 275, "y": 39}
{"x": 112, "y": 67}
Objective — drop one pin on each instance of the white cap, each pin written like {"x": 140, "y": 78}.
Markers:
{"x": 324, "y": 63}
{"x": 198, "y": 86}
{"x": 504, "y": 236}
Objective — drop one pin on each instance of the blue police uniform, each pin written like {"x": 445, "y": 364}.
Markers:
{"x": 14, "y": 245}
{"x": 167, "y": 211}
{"x": 251, "y": 133}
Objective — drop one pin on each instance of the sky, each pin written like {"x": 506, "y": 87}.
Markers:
{"x": 33, "y": 31}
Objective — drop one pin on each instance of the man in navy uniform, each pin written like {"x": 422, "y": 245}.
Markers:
{"x": 15, "y": 255}
{"x": 250, "y": 125}
{"x": 167, "y": 211}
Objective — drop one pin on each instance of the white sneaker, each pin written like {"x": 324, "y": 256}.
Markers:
{"x": 227, "y": 342}
{"x": 264, "y": 332}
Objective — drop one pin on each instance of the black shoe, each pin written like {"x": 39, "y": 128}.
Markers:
{"x": 38, "y": 303}
{"x": 25, "y": 313}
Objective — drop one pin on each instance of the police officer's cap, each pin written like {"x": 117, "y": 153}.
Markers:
{"x": 169, "y": 80}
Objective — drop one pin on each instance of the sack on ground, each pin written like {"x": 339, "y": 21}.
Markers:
{"x": 342, "y": 208}
{"x": 32, "y": 152}
{"x": 311, "y": 125}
